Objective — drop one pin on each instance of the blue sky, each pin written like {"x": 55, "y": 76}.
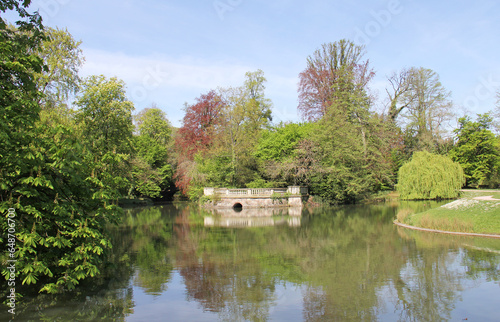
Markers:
{"x": 170, "y": 52}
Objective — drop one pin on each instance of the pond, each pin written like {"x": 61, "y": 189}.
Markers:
{"x": 177, "y": 262}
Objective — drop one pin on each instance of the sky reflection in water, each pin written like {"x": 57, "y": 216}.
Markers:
{"x": 347, "y": 263}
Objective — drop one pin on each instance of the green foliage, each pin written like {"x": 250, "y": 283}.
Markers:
{"x": 195, "y": 193}
{"x": 257, "y": 106}
{"x": 279, "y": 143}
{"x": 63, "y": 58}
{"x": 349, "y": 157}
{"x": 105, "y": 115}
{"x": 45, "y": 174}
{"x": 217, "y": 171}
{"x": 430, "y": 176}
{"x": 278, "y": 155}
{"x": 352, "y": 164}
{"x": 105, "y": 122}
{"x": 146, "y": 180}
{"x": 151, "y": 151}
{"x": 59, "y": 221}
{"x": 60, "y": 217}
{"x": 261, "y": 183}
{"x": 275, "y": 196}
{"x": 477, "y": 150}
{"x": 151, "y": 171}
{"x": 229, "y": 161}
{"x": 153, "y": 123}
{"x": 280, "y": 198}
{"x": 245, "y": 114}
{"x": 212, "y": 199}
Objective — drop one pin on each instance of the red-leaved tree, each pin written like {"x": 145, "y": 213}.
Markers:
{"x": 196, "y": 135}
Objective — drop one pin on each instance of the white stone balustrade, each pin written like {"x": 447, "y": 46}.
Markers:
{"x": 292, "y": 190}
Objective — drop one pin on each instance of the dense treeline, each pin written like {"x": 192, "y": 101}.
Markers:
{"x": 71, "y": 148}
{"x": 344, "y": 150}
{"x": 69, "y": 151}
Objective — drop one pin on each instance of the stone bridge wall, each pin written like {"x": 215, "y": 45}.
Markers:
{"x": 257, "y": 198}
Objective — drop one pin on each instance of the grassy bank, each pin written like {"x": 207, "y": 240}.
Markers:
{"x": 467, "y": 214}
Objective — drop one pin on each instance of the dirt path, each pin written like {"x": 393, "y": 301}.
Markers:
{"x": 488, "y": 198}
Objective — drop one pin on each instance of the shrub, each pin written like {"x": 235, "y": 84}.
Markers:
{"x": 430, "y": 176}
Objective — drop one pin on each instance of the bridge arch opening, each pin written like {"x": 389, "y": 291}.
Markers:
{"x": 237, "y": 207}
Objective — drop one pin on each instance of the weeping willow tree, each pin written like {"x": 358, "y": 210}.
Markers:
{"x": 430, "y": 176}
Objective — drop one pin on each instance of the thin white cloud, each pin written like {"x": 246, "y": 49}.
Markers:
{"x": 163, "y": 71}
{"x": 170, "y": 82}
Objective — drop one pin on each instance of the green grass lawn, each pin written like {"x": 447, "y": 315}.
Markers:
{"x": 463, "y": 215}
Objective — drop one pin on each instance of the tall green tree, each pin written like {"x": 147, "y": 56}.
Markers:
{"x": 60, "y": 81}
{"x": 62, "y": 55}
{"x": 152, "y": 122}
{"x": 151, "y": 169}
{"x": 19, "y": 113}
{"x": 345, "y": 175}
{"x": 334, "y": 92}
{"x": 59, "y": 223}
{"x": 477, "y": 150}
{"x": 245, "y": 112}
{"x": 105, "y": 121}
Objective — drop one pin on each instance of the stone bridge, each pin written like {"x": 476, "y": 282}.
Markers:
{"x": 293, "y": 196}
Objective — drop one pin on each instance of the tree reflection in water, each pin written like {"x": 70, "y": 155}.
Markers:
{"x": 150, "y": 249}
{"x": 347, "y": 263}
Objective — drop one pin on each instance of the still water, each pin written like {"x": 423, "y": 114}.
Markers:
{"x": 180, "y": 263}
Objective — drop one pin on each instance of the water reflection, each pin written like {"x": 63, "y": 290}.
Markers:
{"x": 348, "y": 263}
{"x": 238, "y": 222}
{"x": 256, "y": 212}
{"x": 253, "y": 217}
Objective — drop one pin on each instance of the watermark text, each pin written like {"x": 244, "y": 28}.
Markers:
{"x": 11, "y": 262}
{"x": 381, "y": 19}
{"x": 484, "y": 90}
{"x": 152, "y": 80}
{"x": 224, "y": 6}
{"x": 50, "y": 8}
